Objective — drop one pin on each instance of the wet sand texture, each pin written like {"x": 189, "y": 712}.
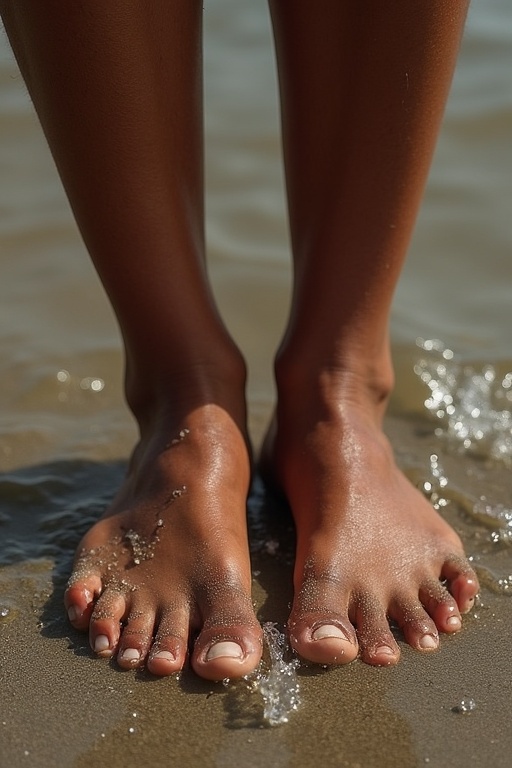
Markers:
{"x": 60, "y": 706}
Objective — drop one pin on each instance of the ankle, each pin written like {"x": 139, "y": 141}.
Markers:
{"x": 184, "y": 385}
{"x": 353, "y": 379}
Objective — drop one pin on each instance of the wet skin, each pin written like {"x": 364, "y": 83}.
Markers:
{"x": 369, "y": 546}
{"x": 167, "y": 568}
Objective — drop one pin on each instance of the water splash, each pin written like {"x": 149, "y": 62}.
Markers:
{"x": 495, "y": 515}
{"x": 279, "y": 686}
{"x": 473, "y": 405}
{"x": 436, "y": 485}
{"x": 496, "y": 518}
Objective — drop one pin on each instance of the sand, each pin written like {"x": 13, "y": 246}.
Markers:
{"x": 62, "y": 707}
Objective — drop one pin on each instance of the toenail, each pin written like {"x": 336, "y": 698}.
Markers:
{"x": 454, "y": 622}
{"x": 427, "y": 642}
{"x": 130, "y": 654}
{"x": 165, "y": 655}
{"x": 73, "y": 613}
{"x": 328, "y": 630}
{"x": 384, "y": 650}
{"x": 224, "y": 650}
{"x": 102, "y": 643}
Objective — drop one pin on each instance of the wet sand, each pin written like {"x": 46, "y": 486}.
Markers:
{"x": 60, "y": 706}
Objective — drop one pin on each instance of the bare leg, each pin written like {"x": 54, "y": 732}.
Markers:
{"x": 117, "y": 87}
{"x": 363, "y": 88}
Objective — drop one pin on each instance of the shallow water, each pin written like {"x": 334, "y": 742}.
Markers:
{"x": 64, "y": 430}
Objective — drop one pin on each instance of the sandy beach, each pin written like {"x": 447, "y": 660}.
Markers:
{"x": 62, "y": 707}
{"x": 65, "y": 437}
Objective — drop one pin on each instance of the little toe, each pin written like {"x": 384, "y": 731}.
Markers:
{"x": 376, "y": 641}
{"x": 79, "y": 600}
{"x": 330, "y": 639}
{"x": 418, "y": 629}
{"x": 105, "y": 624}
{"x": 462, "y": 582}
{"x": 441, "y": 606}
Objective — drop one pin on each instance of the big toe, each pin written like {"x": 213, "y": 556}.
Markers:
{"x": 323, "y": 638}
{"x": 230, "y": 643}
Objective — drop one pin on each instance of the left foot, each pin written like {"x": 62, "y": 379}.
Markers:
{"x": 369, "y": 545}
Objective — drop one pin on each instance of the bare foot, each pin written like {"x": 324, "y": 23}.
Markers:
{"x": 369, "y": 546}
{"x": 169, "y": 560}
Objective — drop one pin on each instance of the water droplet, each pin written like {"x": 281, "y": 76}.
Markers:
{"x": 92, "y": 383}
{"x": 465, "y": 706}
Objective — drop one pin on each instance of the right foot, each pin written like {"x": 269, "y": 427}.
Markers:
{"x": 369, "y": 545}
{"x": 166, "y": 570}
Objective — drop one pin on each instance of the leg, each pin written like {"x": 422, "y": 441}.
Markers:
{"x": 363, "y": 88}
{"x": 117, "y": 87}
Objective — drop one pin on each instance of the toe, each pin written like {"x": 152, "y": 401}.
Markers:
{"x": 462, "y": 582}
{"x": 376, "y": 641}
{"x": 227, "y": 650}
{"x": 441, "y": 606}
{"x": 230, "y": 642}
{"x": 136, "y": 636}
{"x": 323, "y": 637}
{"x": 418, "y": 629}
{"x": 79, "y": 600}
{"x": 319, "y": 627}
{"x": 105, "y": 624}
{"x": 169, "y": 650}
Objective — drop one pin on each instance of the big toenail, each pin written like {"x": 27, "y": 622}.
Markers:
{"x": 130, "y": 654}
{"x": 102, "y": 643}
{"x": 328, "y": 630}
{"x": 454, "y": 622}
{"x": 224, "y": 650}
{"x": 427, "y": 642}
{"x": 73, "y": 613}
